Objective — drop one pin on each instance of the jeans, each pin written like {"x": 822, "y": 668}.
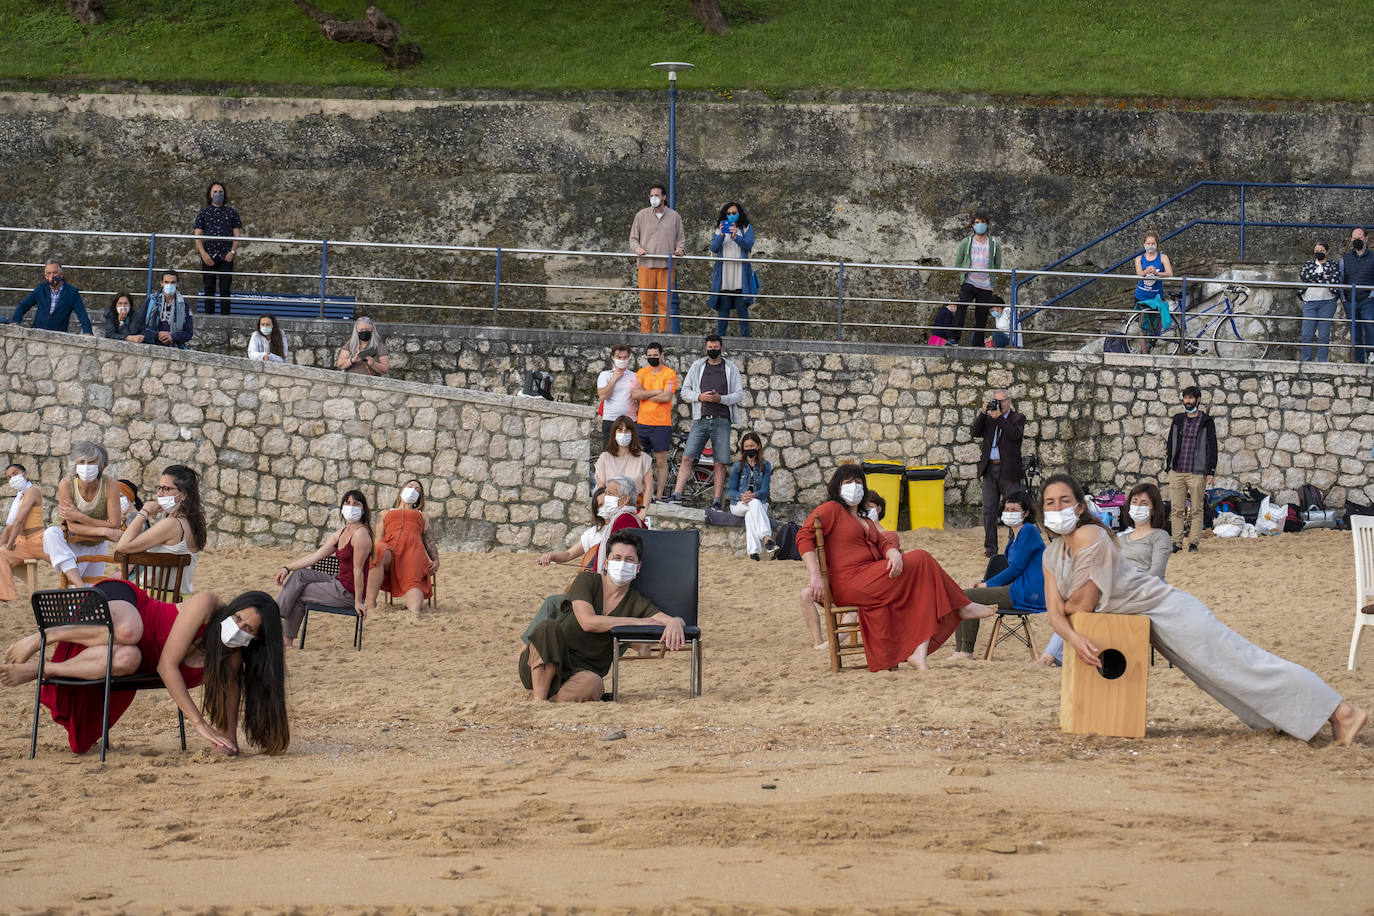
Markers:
{"x": 218, "y": 275}
{"x": 1364, "y": 329}
{"x": 724, "y": 302}
{"x": 717, "y": 429}
{"x": 1316, "y": 318}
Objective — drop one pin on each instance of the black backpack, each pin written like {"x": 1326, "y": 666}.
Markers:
{"x": 1309, "y": 497}
{"x": 786, "y": 539}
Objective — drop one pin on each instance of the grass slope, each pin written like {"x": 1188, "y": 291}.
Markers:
{"x": 1281, "y": 49}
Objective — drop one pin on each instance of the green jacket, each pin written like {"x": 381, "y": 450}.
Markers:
{"x": 962, "y": 258}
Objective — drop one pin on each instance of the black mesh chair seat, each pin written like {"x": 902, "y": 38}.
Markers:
{"x": 668, "y": 578}
{"x": 330, "y": 567}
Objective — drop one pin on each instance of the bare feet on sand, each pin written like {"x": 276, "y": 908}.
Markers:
{"x": 1044, "y": 661}
{"x": 21, "y": 673}
{"x": 1346, "y": 722}
{"x": 962, "y": 656}
{"x": 24, "y": 649}
{"x": 975, "y": 611}
{"x": 918, "y": 658}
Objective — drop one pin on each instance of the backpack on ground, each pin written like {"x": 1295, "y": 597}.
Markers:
{"x": 786, "y": 539}
{"x": 1312, "y": 508}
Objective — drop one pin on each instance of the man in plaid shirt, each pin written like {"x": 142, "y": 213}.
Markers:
{"x": 1192, "y": 464}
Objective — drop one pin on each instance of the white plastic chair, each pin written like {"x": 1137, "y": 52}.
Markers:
{"x": 1362, "y": 528}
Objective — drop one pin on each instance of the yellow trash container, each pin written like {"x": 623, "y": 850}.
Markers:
{"x": 925, "y": 486}
{"x": 885, "y": 478}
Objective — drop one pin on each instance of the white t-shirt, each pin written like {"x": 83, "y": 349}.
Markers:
{"x": 619, "y": 403}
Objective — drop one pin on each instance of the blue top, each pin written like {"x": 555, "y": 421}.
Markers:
{"x": 745, "y": 477}
{"x": 1149, "y": 287}
{"x": 1024, "y": 571}
{"x": 46, "y": 317}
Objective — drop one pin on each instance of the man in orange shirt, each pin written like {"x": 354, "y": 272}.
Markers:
{"x": 655, "y": 386}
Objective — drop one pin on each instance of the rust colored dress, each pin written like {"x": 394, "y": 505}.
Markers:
{"x": 895, "y": 615}
{"x": 409, "y": 561}
{"x": 28, "y": 546}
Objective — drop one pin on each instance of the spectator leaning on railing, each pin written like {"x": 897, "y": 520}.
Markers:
{"x": 1357, "y": 269}
{"x": 221, "y": 223}
{"x": 1318, "y": 301}
{"x": 53, "y": 302}
{"x": 167, "y": 319}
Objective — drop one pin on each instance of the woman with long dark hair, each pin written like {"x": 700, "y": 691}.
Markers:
{"x": 122, "y": 320}
{"x": 234, "y": 649}
{"x": 268, "y": 343}
{"x": 181, "y": 531}
{"x": 1086, "y": 573}
{"x": 733, "y": 281}
{"x": 352, "y": 545}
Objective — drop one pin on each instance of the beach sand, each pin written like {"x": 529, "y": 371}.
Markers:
{"x": 420, "y": 776}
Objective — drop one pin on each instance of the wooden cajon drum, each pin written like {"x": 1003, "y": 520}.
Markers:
{"x": 1109, "y": 700}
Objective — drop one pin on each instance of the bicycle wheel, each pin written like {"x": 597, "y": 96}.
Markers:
{"x": 1239, "y": 337}
{"x": 1131, "y": 332}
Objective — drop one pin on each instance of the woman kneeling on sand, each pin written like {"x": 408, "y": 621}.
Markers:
{"x": 1085, "y": 573}
{"x": 235, "y": 649}
{"x": 568, "y": 657}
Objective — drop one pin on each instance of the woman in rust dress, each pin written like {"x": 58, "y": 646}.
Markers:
{"x": 908, "y": 606}
{"x": 405, "y": 553}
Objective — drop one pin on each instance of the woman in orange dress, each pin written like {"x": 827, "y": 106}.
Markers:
{"x": 22, "y": 537}
{"x": 908, "y": 606}
{"x": 405, "y": 555}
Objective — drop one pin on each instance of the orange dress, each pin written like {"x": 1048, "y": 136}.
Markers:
{"x": 404, "y": 537}
{"x": 28, "y": 546}
{"x": 895, "y": 615}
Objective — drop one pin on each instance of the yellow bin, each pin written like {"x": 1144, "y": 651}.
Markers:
{"x": 925, "y": 485}
{"x": 885, "y": 478}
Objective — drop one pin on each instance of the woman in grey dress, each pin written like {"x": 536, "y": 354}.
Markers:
{"x": 1085, "y": 573}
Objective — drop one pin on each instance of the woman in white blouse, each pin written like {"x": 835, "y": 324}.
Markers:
{"x": 268, "y": 343}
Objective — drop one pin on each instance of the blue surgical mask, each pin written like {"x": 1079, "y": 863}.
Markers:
{"x": 217, "y": 198}
{"x": 732, "y": 217}
{"x": 1192, "y": 409}
{"x": 169, "y": 289}
{"x": 980, "y": 228}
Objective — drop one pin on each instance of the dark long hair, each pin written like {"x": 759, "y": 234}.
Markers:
{"x": 261, "y": 678}
{"x": 1084, "y": 516}
{"x": 188, "y": 482}
{"x": 624, "y": 422}
{"x": 275, "y": 343}
{"x": 843, "y": 474}
{"x": 367, "y": 511}
{"x": 742, "y": 223}
{"x": 112, "y": 314}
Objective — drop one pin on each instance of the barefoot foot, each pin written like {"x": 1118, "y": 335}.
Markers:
{"x": 962, "y": 656}
{"x": 24, "y": 649}
{"x": 22, "y": 673}
{"x": 975, "y": 611}
{"x": 918, "y": 658}
{"x": 1346, "y": 723}
{"x": 1045, "y": 661}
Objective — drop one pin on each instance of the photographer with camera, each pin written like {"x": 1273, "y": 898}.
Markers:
{"x": 1001, "y": 428}
{"x": 365, "y": 353}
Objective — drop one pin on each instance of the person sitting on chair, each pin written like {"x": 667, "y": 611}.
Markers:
{"x": 22, "y": 537}
{"x": 405, "y": 553}
{"x": 874, "y": 508}
{"x": 568, "y": 657}
{"x": 87, "y": 516}
{"x": 352, "y": 545}
{"x": 181, "y": 532}
{"x": 908, "y": 606}
{"x": 1013, "y": 579}
{"x": 235, "y": 649}
{"x": 748, "y": 491}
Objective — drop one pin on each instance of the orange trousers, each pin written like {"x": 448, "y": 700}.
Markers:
{"x": 653, "y": 284}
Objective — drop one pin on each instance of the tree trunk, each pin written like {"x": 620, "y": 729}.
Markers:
{"x": 708, "y": 13}
{"x": 91, "y": 12}
{"x": 375, "y": 28}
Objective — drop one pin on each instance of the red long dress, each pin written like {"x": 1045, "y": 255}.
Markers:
{"x": 895, "y": 615}
{"x": 78, "y": 709}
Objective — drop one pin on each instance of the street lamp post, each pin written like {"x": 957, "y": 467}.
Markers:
{"x": 672, "y": 67}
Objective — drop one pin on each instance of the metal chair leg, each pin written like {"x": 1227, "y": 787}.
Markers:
{"x": 305, "y": 623}
{"x": 38, "y": 694}
{"x": 615, "y": 668}
{"x": 105, "y": 719}
{"x": 181, "y": 725}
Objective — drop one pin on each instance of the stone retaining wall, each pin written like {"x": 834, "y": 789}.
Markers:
{"x": 277, "y": 445}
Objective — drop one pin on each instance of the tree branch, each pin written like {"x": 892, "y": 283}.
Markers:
{"x": 708, "y": 13}
{"x": 91, "y": 12}
{"x": 375, "y": 28}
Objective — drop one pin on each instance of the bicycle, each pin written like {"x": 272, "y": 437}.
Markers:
{"x": 1218, "y": 330}
{"x": 701, "y": 483}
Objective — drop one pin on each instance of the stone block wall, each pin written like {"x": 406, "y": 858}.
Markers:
{"x": 277, "y": 445}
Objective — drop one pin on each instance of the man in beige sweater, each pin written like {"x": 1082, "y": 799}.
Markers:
{"x": 655, "y": 234}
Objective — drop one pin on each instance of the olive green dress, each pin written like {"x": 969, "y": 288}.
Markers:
{"x": 563, "y": 643}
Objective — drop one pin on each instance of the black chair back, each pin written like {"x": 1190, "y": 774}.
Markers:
{"x": 70, "y": 607}
{"x": 668, "y": 573}
{"x": 328, "y": 565}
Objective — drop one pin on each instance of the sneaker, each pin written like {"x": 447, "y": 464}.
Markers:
{"x": 715, "y": 504}
{"x": 1177, "y": 548}
{"x": 754, "y": 557}
{"x": 674, "y": 499}
{"x": 770, "y": 547}
{"x": 1192, "y": 548}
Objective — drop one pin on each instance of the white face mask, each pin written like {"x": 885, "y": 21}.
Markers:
{"x": 1140, "y": 513}
{"x": 168, "y": 503}
{"x": 410, "y": 495}
{"x": 122, "y": 311}
{"x": 352, "y": 513}
{"x": 1012, "y": 519}
{"x": 852, "y": 493}
{"x": 1151, "y": 249}
{"x": 19, "y": 482}
{"x": 622, "y": 439}
{"x": 655, "y": 200}
{"x": 621, "y": 363}
{"x": 873, "y": 515}
{"x": 1062, "y": 521}
{"x": 88, "y": 472}
{"x": 124, "y": 506}
{"x": 233, "y": 635}
{"x": 609, "y": 506}
{"x": 622, "y": 572}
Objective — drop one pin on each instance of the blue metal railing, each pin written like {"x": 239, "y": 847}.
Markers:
{"x": 1242, "y": 223}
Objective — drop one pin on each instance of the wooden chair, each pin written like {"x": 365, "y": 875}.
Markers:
{"x": 31, "y": 574}
{"x": 159, "y": 574}
{"x": 845, "y": 638}
{"x": 88, "y": 558}
{"x": 84, "y": 607}
{"x": 330, "y": 566}
{"x": 1362, "y": 531}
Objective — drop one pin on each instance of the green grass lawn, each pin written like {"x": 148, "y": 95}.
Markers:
{"x": 1280, "y": 49}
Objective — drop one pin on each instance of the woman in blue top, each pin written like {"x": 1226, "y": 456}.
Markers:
{"x": 733, "y": 282}
{"x": 1014, "y": 581}
{"x": 748, "y": 491}
{"x": 1150, "y": 267}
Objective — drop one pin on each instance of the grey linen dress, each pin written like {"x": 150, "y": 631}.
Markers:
{"x": 1263, "y": 690}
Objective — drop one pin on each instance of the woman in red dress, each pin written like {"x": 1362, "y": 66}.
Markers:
{"x": 240, "y": 664}
{"x": 405, "y": 553}
{"x": 908, "y": 606}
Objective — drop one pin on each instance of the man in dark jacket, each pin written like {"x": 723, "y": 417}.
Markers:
{"x": 999, "y": 465}
{"x": 1357, "y": 269}
{"x": 53, "y": 302}
{"x": 1192, "y": 464}
{"x": 166, "y": 319}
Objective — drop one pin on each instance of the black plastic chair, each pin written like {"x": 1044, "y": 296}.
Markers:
{"x": 1010, "y": 623}
{"x": 668, "y": 578}
{"x": 330, "y": 566}
{"x": 84, "y": 607}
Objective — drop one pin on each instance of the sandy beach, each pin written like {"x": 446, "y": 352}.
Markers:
{"x": 421, "y": 777}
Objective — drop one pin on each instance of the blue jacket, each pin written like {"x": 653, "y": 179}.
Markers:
{"x": 744, "y": 478}
{"x": 749, "y": 281}
{"x": 1024, "y": 571}
{"x": 46, "y": 318}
